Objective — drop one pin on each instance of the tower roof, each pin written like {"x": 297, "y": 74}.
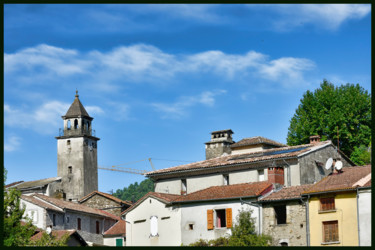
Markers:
{"x": 76, "y": 109}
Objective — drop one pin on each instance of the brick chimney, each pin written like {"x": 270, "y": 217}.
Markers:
{"x": 314, "y": 139}
{"x": 276, "y": 175}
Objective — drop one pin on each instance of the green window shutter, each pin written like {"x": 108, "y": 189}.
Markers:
{"x": 118, "y": 242}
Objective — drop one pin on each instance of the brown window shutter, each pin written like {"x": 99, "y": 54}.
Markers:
{"x": 229, "y": 217}
{"x": 210, "y": 219}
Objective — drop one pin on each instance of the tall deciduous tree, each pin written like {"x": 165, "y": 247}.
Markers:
{"x": 342, "y": 112}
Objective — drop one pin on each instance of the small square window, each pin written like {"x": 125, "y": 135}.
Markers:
{"x": 327, "y": 203}
{"x": 191, "y": 226}
{"x": 68, "y": 142}
{"x": 280, "y": 214}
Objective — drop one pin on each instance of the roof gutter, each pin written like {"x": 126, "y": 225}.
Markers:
{"x": 219, "y": 166}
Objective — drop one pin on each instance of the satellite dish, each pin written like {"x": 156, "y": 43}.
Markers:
{"x": 338, "y": 165}
{"x": 48, "y": 230}
{"x": 329, "y": 163}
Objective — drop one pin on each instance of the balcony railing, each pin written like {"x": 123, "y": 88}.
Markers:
{"x": 77, "y": 131}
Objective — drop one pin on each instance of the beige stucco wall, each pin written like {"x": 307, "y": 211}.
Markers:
{"x": 169, "y": 221}
{"x": 247, "y": 149}
{"x": 201, "y": 182}
{"x": 345, "y": 214}
{"x": 111, "y": 241}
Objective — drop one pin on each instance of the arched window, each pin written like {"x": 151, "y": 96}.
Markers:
{"x": 68, "y": 125}
{"x": 75, "y": 124}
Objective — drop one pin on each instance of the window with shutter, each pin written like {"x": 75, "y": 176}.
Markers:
{"x": 327, "y": 204}
{"x": 229, "y": 217}
{"x": 330, "y": 231}
{"x": 210, "y": 219}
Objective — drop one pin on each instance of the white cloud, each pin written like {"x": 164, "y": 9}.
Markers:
{"x": 12, "y": 143}
{"x": 45, "y": 119}
{"x": 326, "y": 16}
{"x": 146, "y": 63}
{"x": 180, "y": 108}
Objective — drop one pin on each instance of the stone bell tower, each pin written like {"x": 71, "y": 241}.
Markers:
{"x": 77, "y": 161}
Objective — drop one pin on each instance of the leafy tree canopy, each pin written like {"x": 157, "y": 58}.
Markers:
{"x": 16, "y": 233}
{"x": 135, "y": 191}
{"x": 332, "y": 112}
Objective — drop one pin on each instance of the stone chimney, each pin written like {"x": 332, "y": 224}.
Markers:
{"x": 314, "y": 139}
{"x": 219, "y": 144}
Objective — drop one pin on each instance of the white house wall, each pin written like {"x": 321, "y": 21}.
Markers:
{"x": 364, "y": 209}
{"x": 294, "y": 175}
{"x": 39, "y": 214}
{"x": 197, "y": 183}
{"x": 245, "y": 176}
{"x": 196, "y": 214}
{"x": 168, "y": 186}
{"x": 168, "y": 220}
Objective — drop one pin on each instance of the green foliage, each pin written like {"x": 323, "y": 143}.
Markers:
{"x": 361, "y": 155}
{"x": 346, "y": 108}
{"x": 135, "y": 191}
{"x": 50, "y": 240}
{"x": 243, "y": 234}
{"x": 15, "y": 233}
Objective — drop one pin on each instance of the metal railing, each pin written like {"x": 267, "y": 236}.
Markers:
{"x": 77, "y": 131}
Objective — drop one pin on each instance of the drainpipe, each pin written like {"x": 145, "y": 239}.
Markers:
{"x": 289, "y": 173}
{"x": 307, "y": 221}
{"x": 259, "y": 215}
{"x": 359, "y": 236}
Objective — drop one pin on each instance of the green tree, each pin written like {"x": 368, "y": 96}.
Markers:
{"x": 244, "y": 231}
{"x": 342, "y": 112}
{"x": 135, "y": 191}
{"x": 361, "y": 155}
{"x": 16, "y": 233}
{"x": 50, "y": 240}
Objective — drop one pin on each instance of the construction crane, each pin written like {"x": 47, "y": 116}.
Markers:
{"x": 129, "y": 170}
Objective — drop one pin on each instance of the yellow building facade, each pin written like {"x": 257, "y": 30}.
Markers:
{"x": 333, "y": 219}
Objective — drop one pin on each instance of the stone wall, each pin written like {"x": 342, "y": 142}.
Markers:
{"x": 293, "y": 232}
{"x": 100, "y": 202}
{"x": 310, "y": 172}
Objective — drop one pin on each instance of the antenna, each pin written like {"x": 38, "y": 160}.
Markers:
{"x": 329, "y": 163}
{"x": 338, "y": 165}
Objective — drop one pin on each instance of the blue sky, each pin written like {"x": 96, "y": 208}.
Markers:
{"x": 159, "y": 78}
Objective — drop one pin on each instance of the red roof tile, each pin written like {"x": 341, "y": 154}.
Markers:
{"x": 211, "y": 193}
{"x": 264, "y": 155}
{"x": 256, "y": 140}
{"x": 117, "y": 229}
{"x": 57, "y": 233}
{"x": 74, "y": 206}
{"x": 166, "y": 198}
{"x": 341, "y": 181}
{"x": 31, "y": 199}
{"x": 226, "y": 192}
{"x": 286, "y": 193}
{"x": 111, "y": 197}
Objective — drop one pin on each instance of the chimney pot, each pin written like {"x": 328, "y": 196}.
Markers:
{"x": 314, "y": 139}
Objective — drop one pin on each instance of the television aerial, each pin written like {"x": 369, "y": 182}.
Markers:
{"x": 338, "y": 165}
{"x": 329, "y": 163}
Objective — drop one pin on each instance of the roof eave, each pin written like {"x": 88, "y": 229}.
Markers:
{"x": 220, "y": 199}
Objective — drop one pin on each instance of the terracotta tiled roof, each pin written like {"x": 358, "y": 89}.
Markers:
{"x": 264, "y": 155}
{"x": 117, "y": 229}
{"x": 74, "y": 206}
{"x": 40, "y": 203}
{"x": 76, "y": 109}
{"x": 256, "y": 140}
{"x": 111, "y": 197}
{"x": 286, "y": 193}
{"x": 37, "y": 183}
{"x": 13, "y": 184}
{"x": 57, "y": 233}
{"x": 226, "y": 192}
{"x": 166, "y": 198}
{"x": 341, "y": 181}
{"x": 211, "y": 193}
